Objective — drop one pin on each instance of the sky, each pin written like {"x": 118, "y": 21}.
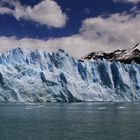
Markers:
{"x": 77, "y": 26}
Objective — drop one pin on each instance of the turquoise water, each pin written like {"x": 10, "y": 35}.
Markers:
{"x": 75, "y": 121}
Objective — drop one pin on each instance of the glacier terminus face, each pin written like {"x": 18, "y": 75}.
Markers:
{"x": 39, "y": 76}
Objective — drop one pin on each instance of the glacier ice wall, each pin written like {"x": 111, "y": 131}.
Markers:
{"x": 40, "y": 76}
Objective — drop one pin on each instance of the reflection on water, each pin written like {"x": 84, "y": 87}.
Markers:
{"x": 75, "y": 121}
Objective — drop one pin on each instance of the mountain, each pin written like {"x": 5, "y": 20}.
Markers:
{"x": 39, "y": 76}
{"x": 125, "y": 56}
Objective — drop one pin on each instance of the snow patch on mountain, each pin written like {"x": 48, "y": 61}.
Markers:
{"x": 125, "y": 56}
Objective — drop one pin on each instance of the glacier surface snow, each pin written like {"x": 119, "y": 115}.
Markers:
{"x": 40, "y": 76}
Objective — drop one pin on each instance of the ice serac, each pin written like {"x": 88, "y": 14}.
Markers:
{"x": 39, "y": 76}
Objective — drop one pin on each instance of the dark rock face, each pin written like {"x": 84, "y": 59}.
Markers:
{"x": 125, "y": 56}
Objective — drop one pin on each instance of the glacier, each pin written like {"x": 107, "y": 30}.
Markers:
{"x": 40, "y": 76}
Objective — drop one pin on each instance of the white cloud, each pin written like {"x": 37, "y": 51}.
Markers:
{"x": 127, "y": 1}
{"x": 116, "y": 31}
{"x": 75, "y": 45}
{"x": 47, "y": 12}
{"x": 4, "y": 10}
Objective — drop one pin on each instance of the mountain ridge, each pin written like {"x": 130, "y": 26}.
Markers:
{"x": 125, "y": 55}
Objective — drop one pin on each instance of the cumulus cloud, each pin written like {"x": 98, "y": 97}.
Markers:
{"x": 116, "y": 31}
{"x": 76, "y": 45}
{"x": 47, "y": 12}
{"x": 128, "y": 1}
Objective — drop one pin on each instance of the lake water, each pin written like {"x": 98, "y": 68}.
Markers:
{"x": 74, "y": 121}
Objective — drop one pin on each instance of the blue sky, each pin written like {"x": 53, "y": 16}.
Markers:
{"x": 77, "y": 26}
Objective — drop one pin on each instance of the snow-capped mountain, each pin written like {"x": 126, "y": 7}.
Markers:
{"x": 125, "y": 56}
{"x": 39, "y": 76}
